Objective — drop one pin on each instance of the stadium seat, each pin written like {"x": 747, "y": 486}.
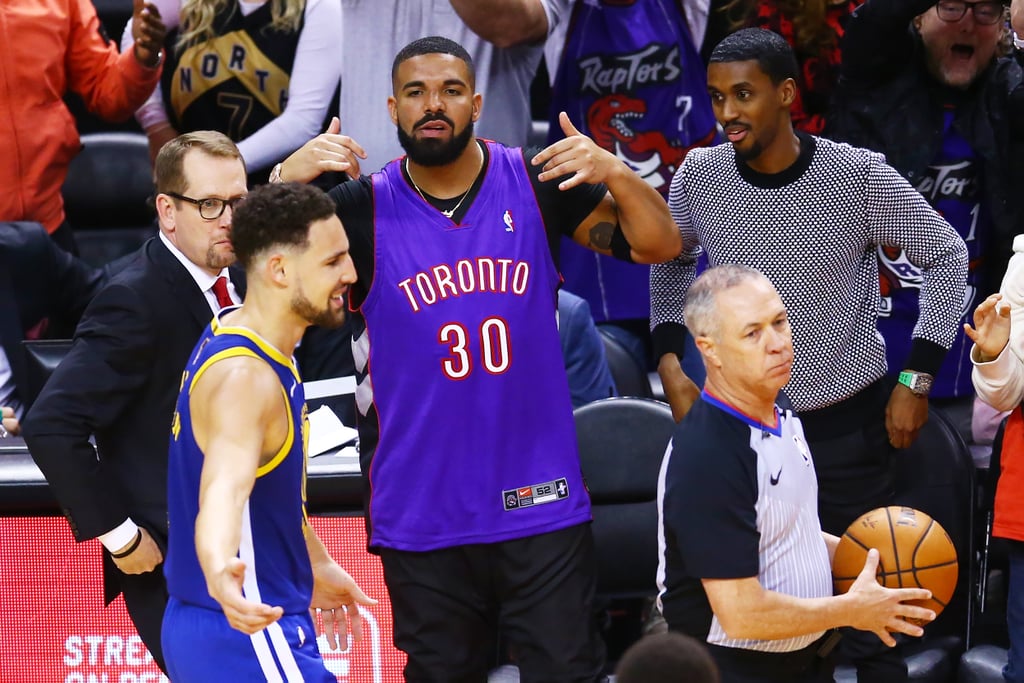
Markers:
{"x": 622, "y": 442}
{"x": 982, "y": 664}
{"x": 42, "y": 358}
{"x": 936, "y": 475}
{"x": 106, "y": 195}
{"x": 630, "y": 378}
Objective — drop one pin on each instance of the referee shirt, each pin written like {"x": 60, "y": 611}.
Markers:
{"x": 738, "y": 498}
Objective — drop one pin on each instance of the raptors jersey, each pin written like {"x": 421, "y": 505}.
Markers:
{"x": 462, "y": 369}
{"x": 236, "y": 82}
{"x": 273, "y": 547}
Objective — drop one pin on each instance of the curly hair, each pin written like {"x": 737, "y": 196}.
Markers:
{"x": 276, "y": 215}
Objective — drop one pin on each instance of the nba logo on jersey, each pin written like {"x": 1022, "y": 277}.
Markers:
{"x": 510, "y": 226}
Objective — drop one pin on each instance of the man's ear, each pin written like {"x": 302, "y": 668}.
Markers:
{"x": 788, "y": 91}
{"x": 165, "y": 209}
{"x": 393, "y": 109}
{"x": 478, "y": 106}
{"x": 707, "y": 348}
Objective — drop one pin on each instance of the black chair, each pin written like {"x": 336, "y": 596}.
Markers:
{"x": 982, "y": 664}
{"x": 622, "y": 442}
{"x": 42, "y": 356}
{"x": 630, "y": 378}
{"x": 936, "y": 475}
{"x": 106, "y": 195}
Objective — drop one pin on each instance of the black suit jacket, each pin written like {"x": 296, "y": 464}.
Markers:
{"x": 38, "y": 280}
{"x": 119, "y": 381}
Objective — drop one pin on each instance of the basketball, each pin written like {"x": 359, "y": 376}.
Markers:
{"x": 913, "y": 551}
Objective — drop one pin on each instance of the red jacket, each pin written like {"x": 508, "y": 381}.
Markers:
{"x": 48, "y": 48}
{"x": 1009, "y": 512}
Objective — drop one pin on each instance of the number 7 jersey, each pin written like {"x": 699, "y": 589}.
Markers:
{"x": 461, "y": 366}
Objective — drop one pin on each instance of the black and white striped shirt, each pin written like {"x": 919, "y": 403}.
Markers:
{"x": 813, "y": 230}
{"x": 737, "y": 499}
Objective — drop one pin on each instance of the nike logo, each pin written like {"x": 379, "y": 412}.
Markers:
{"x": 775, "y": 479}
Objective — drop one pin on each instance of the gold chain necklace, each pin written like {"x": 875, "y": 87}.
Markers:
{"x": 447, "y": 213}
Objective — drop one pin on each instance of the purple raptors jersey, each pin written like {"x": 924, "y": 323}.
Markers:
{"x": 461, "y": 353}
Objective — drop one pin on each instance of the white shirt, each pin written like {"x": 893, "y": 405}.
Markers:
{"x": 7, "y": 387}
{"x": 203, "y": 279}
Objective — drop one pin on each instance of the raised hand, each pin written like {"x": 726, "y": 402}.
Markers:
{"x": 329, "y": 151}
{"x": 992, "y": 328}
{"x": 577, "y": 156}
{"x": 148, "y": 31}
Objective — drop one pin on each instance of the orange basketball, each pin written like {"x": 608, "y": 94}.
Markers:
{"x": 913, "y": 551}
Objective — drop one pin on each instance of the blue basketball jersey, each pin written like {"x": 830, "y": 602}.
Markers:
{"x": 272, "y": 546}
{"x": 464, "y": 369}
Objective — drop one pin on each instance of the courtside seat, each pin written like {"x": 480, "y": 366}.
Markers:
{"x": 936, "y": 475}
{"x": 106, "y": 195}
{"x": 630, "y": 378}
{"x": 982, "y": 664}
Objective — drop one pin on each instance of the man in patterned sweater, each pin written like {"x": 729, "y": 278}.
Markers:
{"x": 809, "y": 214}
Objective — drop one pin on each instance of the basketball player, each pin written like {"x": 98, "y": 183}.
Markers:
{"x": 476, "y": 503}
{"x": 240, "y": 545}
{"x": 746, "y": 567}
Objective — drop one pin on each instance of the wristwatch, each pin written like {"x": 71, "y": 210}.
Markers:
{"x": 919, "y": 383}
{"x": 275, "y": 174}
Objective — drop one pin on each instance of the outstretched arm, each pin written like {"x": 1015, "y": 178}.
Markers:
{"x": 506, "y": 23}
{"x": 234, "y": 443}
{"x": 630, "y": 205}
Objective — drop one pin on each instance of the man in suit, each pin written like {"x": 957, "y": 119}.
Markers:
{"x": 38, "y": 281}
{"x": 122, "y": 374}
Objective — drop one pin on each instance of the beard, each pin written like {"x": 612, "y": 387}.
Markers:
{"x": 321, "y": 317}
{"x": 434, "y": 152}
{"x": 752, "y": 152}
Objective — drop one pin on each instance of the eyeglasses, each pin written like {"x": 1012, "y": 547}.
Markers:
{"x": 210, "y": 208}
{"x": 986, "y": 13}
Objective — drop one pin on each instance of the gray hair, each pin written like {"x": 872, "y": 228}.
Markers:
{"x": 700, "y": 310}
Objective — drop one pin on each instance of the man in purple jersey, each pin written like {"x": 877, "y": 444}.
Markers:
{"x": 475, "y": 500}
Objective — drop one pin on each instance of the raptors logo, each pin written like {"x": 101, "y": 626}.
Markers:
{"x": 616, "y": 121}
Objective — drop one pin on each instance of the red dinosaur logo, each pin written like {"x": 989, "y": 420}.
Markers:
{"x": 612, "y": 122}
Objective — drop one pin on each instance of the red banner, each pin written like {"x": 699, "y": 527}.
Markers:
{"x": 53, "y": 626}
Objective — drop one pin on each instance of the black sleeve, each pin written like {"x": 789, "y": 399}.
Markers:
{"x": 710, "y": 499}
{"x": 562, "y": 211}
{"x": 111, "y": 358}
{"x": 353, "y": 200}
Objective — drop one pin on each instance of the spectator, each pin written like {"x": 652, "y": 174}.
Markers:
{"x": 746, "y": 566}
{"x": 122, "y": 375}
{"x": 505, "y": 40}
{"x": 666, "y": 658}
{"x": 630, "y": 75}
{"x": 263, "y": 73}
{"x": 923, "y": 84}
{"x": 462, "y": 385}
{"x": 38, "y": 281}
{"x": 47, "y": 49}
{"x": 810, "y": 213}
{"x": 814, "y": 28}
{"x": 998, "y": 375}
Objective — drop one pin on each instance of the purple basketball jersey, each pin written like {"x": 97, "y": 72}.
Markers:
{"x": 477, "y": 442}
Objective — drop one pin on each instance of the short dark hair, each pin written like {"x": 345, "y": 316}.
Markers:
{"x": 666, "y": 658}
{"x": 276, "y": 214}
{"x": 770, "y": 50}
{"x": 433, "y": 45}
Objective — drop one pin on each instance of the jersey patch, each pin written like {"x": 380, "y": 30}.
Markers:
{"x": 537, "y": 494}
